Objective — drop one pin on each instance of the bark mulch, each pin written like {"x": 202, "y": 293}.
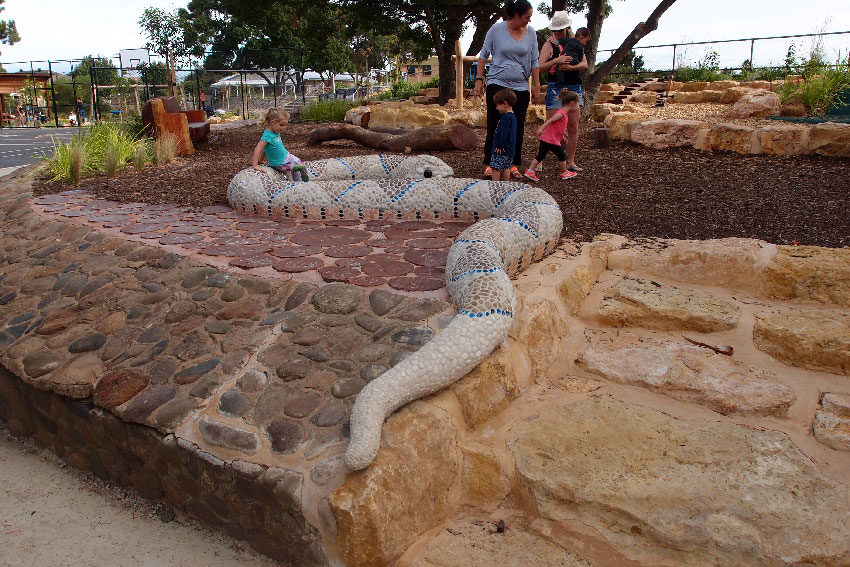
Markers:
{"x": 624, "y": 189}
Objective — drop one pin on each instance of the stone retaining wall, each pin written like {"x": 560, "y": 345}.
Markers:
{"x": 245, "y": 500}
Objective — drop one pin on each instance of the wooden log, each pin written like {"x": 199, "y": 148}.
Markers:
{"x": 428, "y": 138}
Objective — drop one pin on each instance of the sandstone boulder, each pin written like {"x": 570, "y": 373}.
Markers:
{"x": 734, "y": 263}
{"x": 468, "y": 117}
{"x": 693, "y": 86}
{"x": 406, "y": 115}
{"x": 538, "y": 329}
{"x": 832, "y": 422}
{"x": 651, "y": 305}
{"x": 406, "y": 491}
{"x": 644, "y": 97}
{"x": 359, "y": 116}
{"x": 809, "y": 273}
{"x": 536, "y": 113}
{"x": 733, "y": 95}
{"x": 667, "y": 133}
{"x": 599, "y": 111}
{"x": 830, "y": 139}
{"x": 783, "y": 139}
{"x": 688, "y": 97}
{"x": 722, "y": 85}
{"x": 488, "y": 389}
{"x": 760, "y": 85}
{"x": 795, "y": 108}
{"x": 685, "y": 372}
{"x": 731, "y": 137}
{"x": 621, "y": 124}
{"x": 485, "y": 482}
{"x": 667, "y": 491}
{"x": 473, "y": 543}
{"x": 756, "y": 104}
{"x": 818, "y": 339}
{"x": 610, "y": 88}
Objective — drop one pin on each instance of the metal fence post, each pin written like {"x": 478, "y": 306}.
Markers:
{"x": 673, "y": 68}
{"x": 752, "y": 46}
{"x": 53, "y": 95}
{"x": 198, "y": 83}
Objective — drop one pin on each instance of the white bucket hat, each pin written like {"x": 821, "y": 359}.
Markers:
{"x": 560, "y": 20}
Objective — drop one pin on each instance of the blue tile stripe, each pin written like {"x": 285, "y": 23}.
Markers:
{"x": 492, "y": 270}
{"x": 351, "y": 169}
{"x": 347, "y": 189}
{"x": 520, "y": 223}
{"x": 484, "y": 242}
{"x": 384, "y": 164}
{"x": 401, "y": 193}
{"x": 465, "y": 189}
{"x": 502, "y": 200}
{"x": 281, "y": 190}
{"x": 474, "y": 314}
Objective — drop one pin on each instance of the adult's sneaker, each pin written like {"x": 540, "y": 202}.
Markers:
{"x": 531, "y": 175}
{"x": 568, "y": 174}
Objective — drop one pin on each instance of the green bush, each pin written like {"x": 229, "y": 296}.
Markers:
{"x": 332, "y": 110}
{"x": 104, "y": 147}
{"x": 818, "y": 91}
{"x": 404, "y": 90}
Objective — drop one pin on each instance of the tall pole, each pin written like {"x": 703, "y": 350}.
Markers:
{"x": 53, "y": 95}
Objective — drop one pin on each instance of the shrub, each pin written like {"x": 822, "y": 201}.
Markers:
{"x": 164, "y": 149}
{"x": 141, "y": 154}
{"x": 68, "y": 160}
{"x": 818, "y": 91}
{"x": 111, "y": 163}
{"x": 108, "y": 141}
{"x": 331, "y": 110}
{"x": 404, "y": 90}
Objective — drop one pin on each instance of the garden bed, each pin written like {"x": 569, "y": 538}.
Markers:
{"x": 625, "y": 189}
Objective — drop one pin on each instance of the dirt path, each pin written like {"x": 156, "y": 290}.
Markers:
{"x": 54, "y": 515}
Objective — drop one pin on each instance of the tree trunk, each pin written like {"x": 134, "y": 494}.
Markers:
{"x": 429, "y": 138}
{"x": 592, "y": 78}
{"x": 558, "y": 5}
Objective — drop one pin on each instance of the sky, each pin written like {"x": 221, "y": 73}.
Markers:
{"x": 53, "y": 29}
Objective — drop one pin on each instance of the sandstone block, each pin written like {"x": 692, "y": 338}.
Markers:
{"x": 686, "y": 372}
{"x": 644, "y": 97}
{"x": 756, "y": 104}
{"x": 406, "y": 491}
{"x": 485, "y": 483}
{"x": 722, "y": 85}
{"x": 621, "y": 124}
{"x": 688, "y": 97}
{"x": 603, "y": 96}
{"x": 469, "y": 117}
{"x": 536, "y": 113}
{"x": 832, "y": 422}
{"x": 400, "y": 115}
{"x": 795, "y": 108}
{"x": 669, "y": 133}
{"x": 667, "y": 491}
{"x": 760, "y": 85}
{"x": 818, "y": 339}
{"x": 809, "y": 273}
{"x": 577, "y": 281}
{"x": 599, "y": 111}
{"x": 735, "y": 263}
{"x": 783, "y": 140}
{"x": 538, "y": 328}
{"x": 610, "y": 87}
{"x": 647, "y": 304}
{"x": 733, "y": 95}
{"x": 732, "y": 137}
{"x": 488, "y": 389}
{"x": 830, "y": 139}
{"x": 693, "y": 86}
{"x": 472, "y": 543}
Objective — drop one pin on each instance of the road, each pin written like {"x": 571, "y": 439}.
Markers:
{"x": 23, "y": 146}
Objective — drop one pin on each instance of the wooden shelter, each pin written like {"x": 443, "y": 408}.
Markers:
{"x": 13, "y": 83}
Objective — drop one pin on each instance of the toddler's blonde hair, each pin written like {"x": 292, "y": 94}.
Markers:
{"x": 274, "y": 115}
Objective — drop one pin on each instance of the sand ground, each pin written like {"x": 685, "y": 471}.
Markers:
{"x": 54, "y": 515}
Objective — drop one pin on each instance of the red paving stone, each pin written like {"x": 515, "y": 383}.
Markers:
{"x": 405, "y": 255}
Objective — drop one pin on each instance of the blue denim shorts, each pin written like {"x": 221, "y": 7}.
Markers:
{"x": 577, "y": 89}
{"x": 552, "y": 92}
{"x": 501, "y": 161}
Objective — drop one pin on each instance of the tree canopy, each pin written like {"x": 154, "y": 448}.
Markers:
{"x": 8, "y": 30}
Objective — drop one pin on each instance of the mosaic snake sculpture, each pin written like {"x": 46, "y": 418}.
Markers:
{"x": 514, "y": 225}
